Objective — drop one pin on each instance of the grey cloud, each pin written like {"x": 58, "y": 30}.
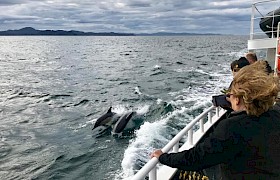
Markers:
{"x": 11, "y": 2}
{"x": 133, "y": 16}
{"x": 139, "y": 4}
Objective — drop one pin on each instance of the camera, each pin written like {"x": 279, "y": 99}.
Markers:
{"x": 221, "y": 100}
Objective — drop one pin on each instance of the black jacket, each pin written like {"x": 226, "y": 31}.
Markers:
{"x": 245, "y": 147}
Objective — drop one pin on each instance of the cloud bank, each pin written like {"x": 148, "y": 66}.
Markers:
{"x": 129, "y": 16}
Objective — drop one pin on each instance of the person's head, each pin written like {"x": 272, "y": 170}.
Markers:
{"x": 236, "y": 65}
{"x": 268, "y": 68}
{"x": 253, "y": 89}
{"x": 251, "y": 57}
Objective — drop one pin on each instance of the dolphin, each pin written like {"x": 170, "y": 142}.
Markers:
{"x": 122, "y": 122}
{"x": 105, "y": 120}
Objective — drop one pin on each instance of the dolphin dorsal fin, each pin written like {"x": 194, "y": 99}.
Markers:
{"x": 109, "y": 110}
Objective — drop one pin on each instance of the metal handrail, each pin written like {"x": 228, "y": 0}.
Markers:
{"x": 277, "y": 52}
{"x": 150, "y": 167}
{"x": 252, "y": 33}
{"x": 260, "y": 2}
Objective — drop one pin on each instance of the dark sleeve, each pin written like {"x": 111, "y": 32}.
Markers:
{"x": 221, "y": 146}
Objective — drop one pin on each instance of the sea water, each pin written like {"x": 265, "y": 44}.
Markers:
{"x": 53, "y": 89}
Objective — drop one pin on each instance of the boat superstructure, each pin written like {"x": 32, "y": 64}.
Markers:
{"x": 258, "y": 38}
{"x": 195, "y": 130}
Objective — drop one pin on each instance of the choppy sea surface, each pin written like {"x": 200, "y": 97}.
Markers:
{"x": 53, "y": 89}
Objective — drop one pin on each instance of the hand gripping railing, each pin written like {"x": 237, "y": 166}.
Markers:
{"x": 150, "y": 166}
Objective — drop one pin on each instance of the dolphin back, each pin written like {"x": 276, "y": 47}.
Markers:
{"x": 104, "y": 119}
{"x": 122, "y": 122}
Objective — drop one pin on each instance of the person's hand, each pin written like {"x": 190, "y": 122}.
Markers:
{"x": 156, "y": 153}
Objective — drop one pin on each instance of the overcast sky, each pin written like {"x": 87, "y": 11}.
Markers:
{"x": 130, "y": 16}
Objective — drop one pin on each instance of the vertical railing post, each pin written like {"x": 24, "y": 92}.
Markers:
{"x": 201, "y": 125}
{"x": 190, "y": 136}
{"x": 217, "y": 112}
{"x": 153, "y": 174}
{"x": 210, "y": 117}
{"x": 176, "y": 147}
{"x": 252, "y": 22}
{"x": 277, "y": 53}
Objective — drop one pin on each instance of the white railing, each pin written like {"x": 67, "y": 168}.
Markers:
{"x": 277, "y": 52}
{"x": 254, "y": 17}
{"x": 150, "y": 168}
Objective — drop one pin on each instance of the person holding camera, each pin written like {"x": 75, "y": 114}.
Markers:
{"x": 246, "y": 145}
{"x": 220, "y": 100}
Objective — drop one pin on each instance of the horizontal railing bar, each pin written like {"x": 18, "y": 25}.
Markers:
{"x": 261, "y": 17}
{"x": 265, "y": 1}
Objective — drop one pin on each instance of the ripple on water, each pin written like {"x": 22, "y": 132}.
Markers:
{"x": 5, "y": 149}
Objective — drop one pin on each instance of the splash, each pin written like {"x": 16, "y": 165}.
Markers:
{"x": 156, "y": 67}
{"x": 137, "y": 91}
{"x": 238, "y": 54}
{"x": 141, "y": 110}
{"x": 140, "y": 148}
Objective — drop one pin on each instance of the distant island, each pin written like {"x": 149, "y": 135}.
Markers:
{"x": 174, "y": 34}
{"x": 29, "y": 31}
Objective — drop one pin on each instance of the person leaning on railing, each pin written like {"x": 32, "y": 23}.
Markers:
{"x": 246, "y": 145}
